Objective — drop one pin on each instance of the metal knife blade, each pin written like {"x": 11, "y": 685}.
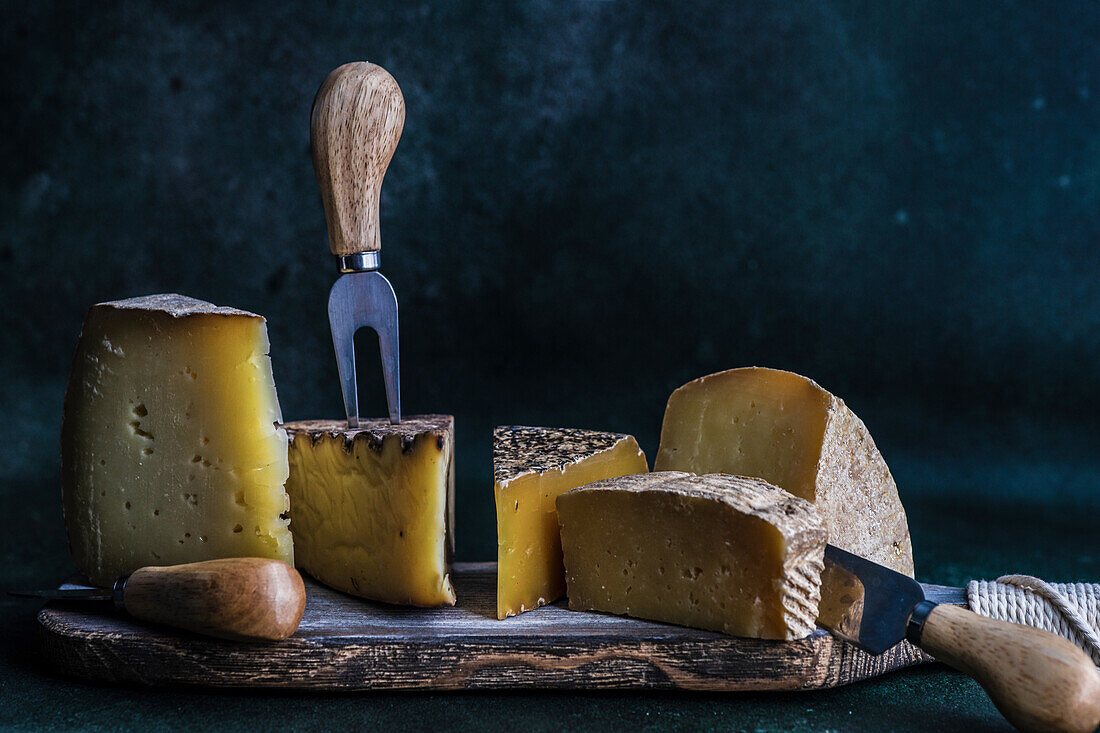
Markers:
{"x": 67, "y": 594}
{"x": 864, "y": 602}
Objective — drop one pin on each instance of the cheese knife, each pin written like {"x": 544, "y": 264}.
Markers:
{"x": 355, "y": 123}
{"x": 1038, "y": 680}
{"x": 246, "y": 599}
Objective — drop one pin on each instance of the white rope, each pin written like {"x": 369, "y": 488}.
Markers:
{"x": 1071, "y": 610}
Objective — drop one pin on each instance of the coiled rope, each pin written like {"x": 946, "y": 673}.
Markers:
{"x": 1071, "y": 610}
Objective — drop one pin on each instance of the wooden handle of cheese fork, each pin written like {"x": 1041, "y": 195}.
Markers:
{"x": 357, "y": 118}
{"x": 1038, "y": 680}
{"x": 245, "y": 598}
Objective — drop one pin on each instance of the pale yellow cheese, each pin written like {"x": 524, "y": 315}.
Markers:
{"x": 532, "y": 466}
{"x": 170, "y": 450}
{"x": 718, "y": 552}
{"x": 790, "y": 432}
{"x": 371, "y": 507}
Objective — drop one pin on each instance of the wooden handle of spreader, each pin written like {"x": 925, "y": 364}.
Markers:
{"x": 246, "y": 598}
{"x": 1038, "y": 680}
{"x": 357, "y": 118}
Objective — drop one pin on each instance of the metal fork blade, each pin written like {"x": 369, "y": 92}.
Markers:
{"x": 358, "y": 300}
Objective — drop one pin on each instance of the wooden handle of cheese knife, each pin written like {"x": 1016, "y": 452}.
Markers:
{"x": 357, "y": 118}
{"x": 1038, "y": 680}
{"x": 245, "y": 598}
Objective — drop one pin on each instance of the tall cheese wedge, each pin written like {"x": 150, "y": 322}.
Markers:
{"x": 725, "y": 553}
{"x": 531, "y": 467}
{"x": 170, "y": 450}
{"x": 371, "y": 507}
{"x": 790, "y": 432}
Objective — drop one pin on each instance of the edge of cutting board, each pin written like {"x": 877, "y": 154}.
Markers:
{"x": 347, "y": 644}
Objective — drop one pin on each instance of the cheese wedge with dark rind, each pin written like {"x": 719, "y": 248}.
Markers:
{"x": 372, "y": 507}
{"x": 170, "y": 448}
{"x": 790, "y": 432}
{"x": 531, "y": 467}
{"x": 724, "y": 553}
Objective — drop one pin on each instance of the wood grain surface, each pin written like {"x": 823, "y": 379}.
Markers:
{"x": 1038, "y": 680}
{"x": 241, "y": 598}
{"x": 345, "y": 643}
{"x": 357, "y": 118}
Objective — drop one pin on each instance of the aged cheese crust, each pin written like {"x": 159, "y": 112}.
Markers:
{"x": 176, "y": 306}
{"x": 519, "y": 450}
{"x": 789, "y": 431}
{"x": 374, "y": 432}
{"x": 726, "y": 553}
{"x": 170, "y": 451}
{"x": 372, "y": 507}
{"x": 532, "y": 467}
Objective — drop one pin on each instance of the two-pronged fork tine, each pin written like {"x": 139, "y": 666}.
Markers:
{"x": 357, "y": 300}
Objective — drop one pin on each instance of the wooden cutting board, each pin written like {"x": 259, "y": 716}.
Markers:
{"x": 345, "y": 643}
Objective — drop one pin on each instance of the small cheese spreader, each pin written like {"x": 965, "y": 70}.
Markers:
{"x": 242, "y": 598}
{"x": 357, "y": 118}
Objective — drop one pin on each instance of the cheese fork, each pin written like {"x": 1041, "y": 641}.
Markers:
{"x": 355, "y": 123}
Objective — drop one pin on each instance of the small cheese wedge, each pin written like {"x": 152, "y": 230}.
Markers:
{"x": 790, "y": 432}
{"x": 718, "y": 552}
{"x": 170, "y": 451}
{"x": 531, "y": 467}
{"x": 372, "y": 507}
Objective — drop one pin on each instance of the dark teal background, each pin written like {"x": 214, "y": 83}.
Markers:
{"x": 592, "y": 203}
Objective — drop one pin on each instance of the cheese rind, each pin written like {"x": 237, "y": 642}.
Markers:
{"x": 725, "y": 553}
{"x": 372, "y": 506}
{"x": 790, "y": 432}
{"x": 531, "y": 467}
{"x": 170, "y": 450}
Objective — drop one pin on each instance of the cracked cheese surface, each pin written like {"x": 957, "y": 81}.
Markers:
{"x": 790, "y": 432}
{"x": 371, "y": 507}
{"x": 170, "y": 451}
{"x": 718, "y": 552}
{"x": 531, "y": 467}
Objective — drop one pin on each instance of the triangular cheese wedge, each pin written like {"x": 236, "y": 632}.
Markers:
{"x": 787, "y": 430}
{"x": 531, "y": 467}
